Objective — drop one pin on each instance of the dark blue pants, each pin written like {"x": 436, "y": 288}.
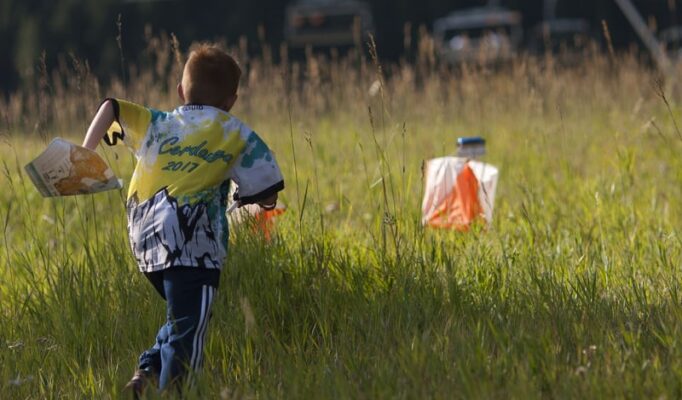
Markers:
{"x": 189, "y": 293}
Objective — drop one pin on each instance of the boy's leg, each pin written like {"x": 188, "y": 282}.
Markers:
{"x": 149, "y": 364}
{"x": 189, "y": 294}
{"x": 150, "y": 359}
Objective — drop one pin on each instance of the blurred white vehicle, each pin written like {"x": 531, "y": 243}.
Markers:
{"x": 485, "y": 35}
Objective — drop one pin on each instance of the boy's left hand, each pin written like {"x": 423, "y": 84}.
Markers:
{"x": 269, "y": 203}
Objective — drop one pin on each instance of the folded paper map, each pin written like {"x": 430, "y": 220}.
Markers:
{"x": 65, "y": 169}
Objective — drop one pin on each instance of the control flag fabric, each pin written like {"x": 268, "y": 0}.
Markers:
{"x": 458, "y": 192}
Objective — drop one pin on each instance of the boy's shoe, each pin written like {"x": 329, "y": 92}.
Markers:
{"x": 139, "y": 382}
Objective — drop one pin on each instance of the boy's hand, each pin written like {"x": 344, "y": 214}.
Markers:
{"x": 269, "y": 203}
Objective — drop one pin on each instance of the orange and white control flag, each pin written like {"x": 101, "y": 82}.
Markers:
{"x": 458, "y": 192}
{"x": 263, "y": 220}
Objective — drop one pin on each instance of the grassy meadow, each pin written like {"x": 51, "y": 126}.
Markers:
{"x": 574, "y": 290}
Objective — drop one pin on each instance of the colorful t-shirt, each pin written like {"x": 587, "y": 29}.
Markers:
{"x": 178, "y": 193}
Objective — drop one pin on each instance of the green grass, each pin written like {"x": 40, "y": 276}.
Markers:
{"x": 573, "y": 291}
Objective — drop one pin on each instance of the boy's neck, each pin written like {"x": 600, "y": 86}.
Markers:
{"x": 191, "y": 104}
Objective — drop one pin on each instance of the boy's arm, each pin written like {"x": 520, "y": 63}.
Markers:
{"x": 256, "y": 173}
{"x": 99, "y": 125}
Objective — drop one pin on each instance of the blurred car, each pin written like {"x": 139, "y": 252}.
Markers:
{"x": 486, "y": 35}
{"x": 559, "y": 35}
{"x": 671, "y": 40}
{"x": 327, "y": 23}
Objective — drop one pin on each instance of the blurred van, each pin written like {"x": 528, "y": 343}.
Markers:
{"x": 327, "y": 23}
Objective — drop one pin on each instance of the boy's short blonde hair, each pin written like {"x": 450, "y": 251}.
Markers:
{"x": 210, "y": 76}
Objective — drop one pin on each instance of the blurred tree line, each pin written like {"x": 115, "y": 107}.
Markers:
{"x": 89, "y": 29}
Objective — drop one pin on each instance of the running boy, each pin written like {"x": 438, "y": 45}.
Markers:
{"x": 177, "y": 200}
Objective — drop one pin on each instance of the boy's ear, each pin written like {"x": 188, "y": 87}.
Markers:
{"x": 230, "y": 102}
{"x": 181, "y": 93}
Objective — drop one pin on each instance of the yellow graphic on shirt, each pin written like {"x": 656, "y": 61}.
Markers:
{"x": 187, "y": 164}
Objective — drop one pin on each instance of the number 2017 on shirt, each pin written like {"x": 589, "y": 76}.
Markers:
{"x": 188, "y": 166}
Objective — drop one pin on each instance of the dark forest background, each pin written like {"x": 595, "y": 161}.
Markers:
{"x": 87, "y": 29}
